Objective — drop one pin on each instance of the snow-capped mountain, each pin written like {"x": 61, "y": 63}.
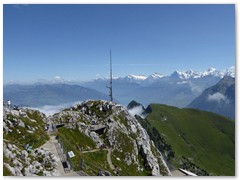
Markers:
{"x": 179, "y": 75}
{"x": 229, "y": 72}
{"x": 154, "y": 77}
{"x": 141, "y": 79}
{"x": 190, "y": 74}
{"x": 177, "y": 89}
{"x": 211, "y": 71}
{"x": 135, "y": 78}
{"x": 182, "y": 75}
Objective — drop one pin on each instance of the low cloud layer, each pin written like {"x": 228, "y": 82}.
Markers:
{"x": 138, "y": 110}
{"x": 217, "y": 97}
{"x": 50, "y": 110}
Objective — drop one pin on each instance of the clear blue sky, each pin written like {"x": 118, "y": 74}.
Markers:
{"x": 73, "y": 41}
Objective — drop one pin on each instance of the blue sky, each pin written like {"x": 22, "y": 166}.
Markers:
{"x": 73, "y": 41}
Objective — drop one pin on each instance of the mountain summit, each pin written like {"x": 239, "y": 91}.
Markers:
{"x": 109, "y": 126}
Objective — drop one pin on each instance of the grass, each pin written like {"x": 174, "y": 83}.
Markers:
{"x": 36, "y": 139}
{"x": 94, "y": 161}
{"x": 75, "y": 139}
{"x": 6, "y": 172}
{"x": 36, "y": 116}
{"x": 205, "y": 138}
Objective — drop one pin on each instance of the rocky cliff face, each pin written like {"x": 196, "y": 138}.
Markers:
{"x": 110, "y": 125}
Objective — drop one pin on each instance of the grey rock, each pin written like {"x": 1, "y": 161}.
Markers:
{"x": 17, "y": 163}
{"x": 9, "y": 146}
{"x": 12, "y": 155}
{"x": 11, "y": 169}
{"x": 128, "y": 159}
{"x": 35, "y": 171}
{"x": 36, "y": 164}
{"x": 18, "y": 171}
{"x": 24, "y": 154}
{"x": 5, "y": 127}
{"x": 47, "y": 173}
{"x": 20, "y": 123}
{"x": 30, "y": 131}
{"x": 28, "y": 171}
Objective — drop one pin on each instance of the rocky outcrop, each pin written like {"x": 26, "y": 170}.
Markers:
{"x": 107, "y": 124}
{"x": 22, "y": 136}
{"x": 38, "y": 162}
{"x": 110, "y": 125}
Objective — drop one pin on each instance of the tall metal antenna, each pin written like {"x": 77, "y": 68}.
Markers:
{"x": 110, "y": 87}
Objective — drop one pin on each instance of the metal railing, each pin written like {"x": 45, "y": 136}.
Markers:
{"x": 83, "y": 164}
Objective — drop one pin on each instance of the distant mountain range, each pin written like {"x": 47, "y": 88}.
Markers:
{"x": 49, "y": 94}
{"x": 178, "y": 89}
{"x": 219, "y": 98}
{"x": 181, "y": 75}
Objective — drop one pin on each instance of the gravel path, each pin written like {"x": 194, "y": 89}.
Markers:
{"x": 50, "y": 146}
{"x": 109, "y": 160}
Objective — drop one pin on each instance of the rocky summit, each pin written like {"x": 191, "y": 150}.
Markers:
{"x": 92, "y": 138}
{"x": 109, "y": 127}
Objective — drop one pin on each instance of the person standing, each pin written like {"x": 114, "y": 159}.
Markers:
{"x": 9, "y": 104}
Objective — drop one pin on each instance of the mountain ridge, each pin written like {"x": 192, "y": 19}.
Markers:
{"x": 49, "y": 94}
{"x": 219, "y": 98}
{"x": 178, "y": 89}
{"x": 184, "y": 75}
{"x": 192, "y": 139}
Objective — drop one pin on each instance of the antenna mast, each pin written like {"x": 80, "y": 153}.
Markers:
{"x": 110, "y": 87}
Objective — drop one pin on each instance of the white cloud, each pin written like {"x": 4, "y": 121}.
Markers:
{"x": 98, "y": 76}
{"x": 138, "y": 110}
{"x": 58, "y": 79}
{"x": 50, "y": 110}
{"x": 217, "y": 97}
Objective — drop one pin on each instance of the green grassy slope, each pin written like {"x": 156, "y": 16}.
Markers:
{"x": 206, "y": 139}
{"x": 73, "y": 140}
{"x": 20, "y": 135}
